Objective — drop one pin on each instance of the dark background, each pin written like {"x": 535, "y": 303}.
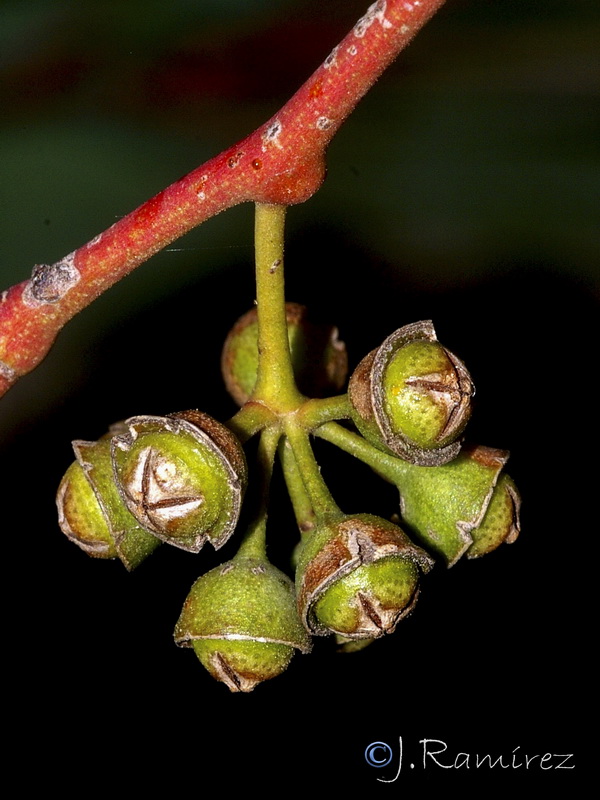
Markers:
{"x": 463, "y": 189}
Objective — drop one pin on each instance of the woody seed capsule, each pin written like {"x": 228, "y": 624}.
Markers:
{"x": 182, "y": 477}
{"x": 467, "y": 507}
{"x": 241, "y": 620}
{"x": 91, "y": 512}
{"x": 358, "y": 577}
{"x": 412, "y": 396}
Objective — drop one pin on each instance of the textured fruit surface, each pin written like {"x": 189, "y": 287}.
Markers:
{"x": 241, "y": 665}
{"x": 358, "y": 576}
{"x": 412, "y": 397}
{"x": 446, "y": 506}
{"x": 370, "y": 599}
{"x": 92, "y": 513}
{"x": 242, "y": 622}
{"x": 182, "y": 477}
{"x": 175, "y": 486}
{"x": 501, "y": 521}
{"x": 420, "y": 389}
{"x": 80, "y": 515}
{"x": 244, "y": 596}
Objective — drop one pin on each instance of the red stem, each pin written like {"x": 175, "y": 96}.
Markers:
{"x": 282, "y": 162}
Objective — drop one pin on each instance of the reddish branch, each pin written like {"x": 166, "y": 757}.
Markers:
{"x": 281, "y": 162}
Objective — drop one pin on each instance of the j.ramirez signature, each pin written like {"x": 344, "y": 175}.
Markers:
{"x": 434, "y": 753}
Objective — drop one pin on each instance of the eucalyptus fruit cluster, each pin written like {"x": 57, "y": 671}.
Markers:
{"x": 182, "y": 479}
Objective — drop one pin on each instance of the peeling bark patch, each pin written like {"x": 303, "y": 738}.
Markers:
{"x": 95, "y": 240}
{"x": 272, "y": 134}
{"x": 51, "y": 282}
{"x": 200, "y": 193}
{"x": 234, "y": 160}
{"x": 7, "y": 372}
{"x": 331, "y": 59}
{"x": 376, "y": 12}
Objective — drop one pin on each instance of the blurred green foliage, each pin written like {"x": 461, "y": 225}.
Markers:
{"x": 477, "y": 148}
{"x": 475, "y": 153}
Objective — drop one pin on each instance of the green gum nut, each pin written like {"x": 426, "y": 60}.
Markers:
{"x": 467, "y": 507}
{"x": 318, "y": 356}
{"x": 358, "y": 577}
{"x": 241, "y": 620}
{"x": 182, "y": 477}
{"x": 91, "y": 512}
{"x": 412, "y": 397}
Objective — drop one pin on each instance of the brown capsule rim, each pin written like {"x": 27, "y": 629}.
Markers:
{"x": 359, "y": 541}
{"x": 359, "y": 388}
{"x": 515, "y": 529}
